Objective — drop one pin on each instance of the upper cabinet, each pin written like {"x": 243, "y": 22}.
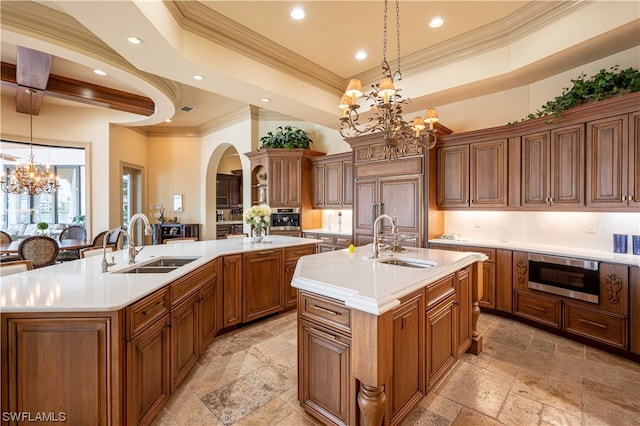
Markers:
{"x": 586, "y": 159}
{"x": 282, "y": 177}
{"x": 333, "y": 181}
{"x": 553, "y": 168}
{"x": 228, "y": 191}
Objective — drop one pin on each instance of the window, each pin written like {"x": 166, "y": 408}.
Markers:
{"x": 66, "y": 206}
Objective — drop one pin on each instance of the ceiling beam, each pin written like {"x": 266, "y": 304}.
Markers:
{"x": 32, "y": 72}
{"x": 84, "y": 92}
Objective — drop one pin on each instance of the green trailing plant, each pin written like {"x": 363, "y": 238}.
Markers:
{"x": 603, "y": 85}
{"x": 42, "y": 226}
{"x": 286, "y": 137}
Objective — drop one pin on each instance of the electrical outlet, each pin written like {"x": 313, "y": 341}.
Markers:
{"x": 591, "y": 226}
{"x": 476, "y": 223}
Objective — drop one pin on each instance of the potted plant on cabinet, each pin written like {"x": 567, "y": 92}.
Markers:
{"x": 286, "y": 137}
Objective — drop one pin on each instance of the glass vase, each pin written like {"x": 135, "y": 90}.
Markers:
{"x": 257, "y": 234}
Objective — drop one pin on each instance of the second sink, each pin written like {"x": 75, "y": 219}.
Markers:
{"x": 410, "y": 263}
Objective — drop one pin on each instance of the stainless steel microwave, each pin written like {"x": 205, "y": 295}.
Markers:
{"x": 565, "y": 276}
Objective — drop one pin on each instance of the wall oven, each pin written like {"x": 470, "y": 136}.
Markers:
{"x": 285, "y": 219}
{"x": 564, "y": 276}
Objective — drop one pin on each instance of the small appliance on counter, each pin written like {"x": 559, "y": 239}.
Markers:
{"x": 219, "y": 215}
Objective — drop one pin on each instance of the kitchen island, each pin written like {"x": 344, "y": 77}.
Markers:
{"x": 89, "y": 347}
{"x": 375, "y": 335}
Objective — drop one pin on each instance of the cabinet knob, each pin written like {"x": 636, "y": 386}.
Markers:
{"x": 624, "y": 198}
{"x": 630, "y": 197}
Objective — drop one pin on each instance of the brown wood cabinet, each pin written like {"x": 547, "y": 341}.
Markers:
{"x": 333, "y": 181}
{"x": 39, "y": 360}
{"x": 262, "y": 283}
{"x": 463, "y": 285}
{"x": 442, "y": 344}
{"x": 634, "y": 309}
{"x": 148, "y": 380}
{"x": 291, "y": 257}
{"x": 228, "y": 191}
{"x": 473, "y": 175}
{"x": 408, "y": 381}
{"x": 553, "y": 168}
{"x": 232, "y": 290}
{"x": 185, "y": 345}
{"x": 330, "y": 242}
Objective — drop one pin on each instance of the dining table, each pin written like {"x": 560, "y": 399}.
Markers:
{"x": 67, "y": 244}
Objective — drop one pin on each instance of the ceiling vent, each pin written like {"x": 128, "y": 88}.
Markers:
{"x": 187, "y": 109}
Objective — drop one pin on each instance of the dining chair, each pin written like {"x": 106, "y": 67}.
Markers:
{"x": 8, "y": 268}
{"x": 6, "y": 239}
{"x": 97, "y": 240}
{"x": 179, "y": 240}
{"x": 114, "y": 238}
{"x": 94, "y": 251}
{"x": 237, "y": 236}
{"x": 39, "y": 249}
{"x": 72, "y": 232}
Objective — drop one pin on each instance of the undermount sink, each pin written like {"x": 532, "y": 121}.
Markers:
{"x": 161, "y": 265}
{"x": 409, "y": 263}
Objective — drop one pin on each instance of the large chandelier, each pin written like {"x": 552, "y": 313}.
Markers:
{"x": 386, "y": 105}
{"x": 30, "y": 178}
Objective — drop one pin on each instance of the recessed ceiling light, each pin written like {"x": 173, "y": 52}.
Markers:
{"x": 265, "y": 100}
{"x": 99, "y": 72}
{"x": 297, "y": 14}
{"x": 436, "y": 22}
{"x": 198, "y": 77}
{"x": 361, "y": 55}
{"x": 134, "y": 40}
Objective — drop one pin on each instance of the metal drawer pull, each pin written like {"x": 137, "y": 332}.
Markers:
{"x": 154, "y": 308}
{"x": 266, "y": 252}
{"x": 322, "y": 333}
{"x": 325, "y": 310}
{"x": 537, "y": 308}
{"x": 593, "y": 323}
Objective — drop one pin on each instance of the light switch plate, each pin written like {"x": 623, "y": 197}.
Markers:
{"x": 591, "y": 226}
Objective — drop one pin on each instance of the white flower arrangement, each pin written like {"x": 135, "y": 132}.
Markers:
{"x": 258, "y": 216}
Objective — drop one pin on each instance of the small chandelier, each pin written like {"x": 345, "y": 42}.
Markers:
{"x": 386, "y": 104}
{"x": 30, "y": 178}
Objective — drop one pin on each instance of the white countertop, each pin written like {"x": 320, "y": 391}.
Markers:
{"x": 575, "y": 252}
{"x": 343, "y": 233}
{"x": 80, "y": 285}
{"x": 366, "y": 284}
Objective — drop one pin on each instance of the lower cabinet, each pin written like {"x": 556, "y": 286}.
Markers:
{"x": 262, "y": 288}
{"x": 185, "y": 347}
{"x": 291, "y": 257}
{"x": 148, "y": 372}
{"x": 232, "y": 290}
{"x": 324, "y": 372}
{"x": 442, "y": 346}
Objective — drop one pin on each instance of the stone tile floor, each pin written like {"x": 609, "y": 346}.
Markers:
{"x": 524, "y": 376}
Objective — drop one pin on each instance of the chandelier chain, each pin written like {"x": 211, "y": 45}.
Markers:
{"x": 399, "y": 73}
{"x": 384, "y": 35}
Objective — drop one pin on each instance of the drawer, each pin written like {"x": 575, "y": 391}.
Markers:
{"x": 328, "y": 239}
{"x": 183, "y": 287}
{"x": 439, "y": 290}
{"x": 343, "y": 242}
{"x": 145, "y": 312}
{"x": 323, "y": 310}
{"x": 602, "y": 326}
{"x": 297, "y": 252}
{"x": 538, "y": 308}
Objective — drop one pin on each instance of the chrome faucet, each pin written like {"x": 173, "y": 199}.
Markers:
{"x": 394, "y": 230}
{"x": 105, "y": 264}
{"x": 147, "y": 231}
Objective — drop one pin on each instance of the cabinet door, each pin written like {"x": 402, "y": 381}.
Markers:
{"x": 408, "y": 354}
{"x": 347, "y": 183}
{"x": 535, "y": 170}
{"x": 333, "y": 185}
{"x": 488, "y": 173}
{"x": 464, "y": 301}
{"x": 292, "y": 182}
{"x": 365, "y": 205}
{"x": 452, "y": 185}
{"x": 321, "y": 351}
{"x": 232, "y": 290}
{"x": 222, "y": 193}
{"x": 261, "y": 283}
{"x": 185, "y": 345}
{"x": 402, "y": 198}
{"x": 148, "y": 373}
{"x": 442, "y": 346}
{"x": 210, "y": 311}
{"x": 290, "y": 293}
{"x": 235, "y": 192}
{"x": 318, "y": 186}
{"x": 44, "y": 353}
{"x": 607, "y": 162}
{"x": 277, "y": 171}
{"x": 567, "y": 166}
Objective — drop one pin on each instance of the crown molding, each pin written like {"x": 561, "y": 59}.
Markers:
{"x": 218, "y": 123}
{"x": 195, "y": 17}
